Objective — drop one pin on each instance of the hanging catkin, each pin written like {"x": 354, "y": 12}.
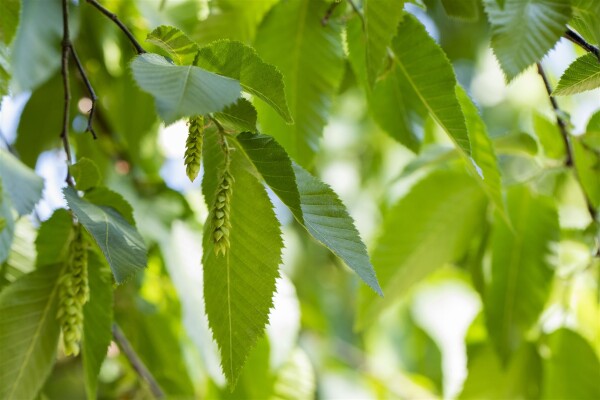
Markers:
{"x": 73, "y": 294}
{"x": 193, "y": 146}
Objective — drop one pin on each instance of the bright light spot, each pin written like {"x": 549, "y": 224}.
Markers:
{"x": 171, "y": 139}
{"x": 84, "y": 105}
{"x": 488, "y": 87}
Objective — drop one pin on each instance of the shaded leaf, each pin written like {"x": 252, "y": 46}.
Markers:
{"x": 54, "y": 237}
{"x": 20, "y": 183}
{"x": 583, "y": 74}
{"x": 7, "y": 232}
{"x": 182, "y": 91}
{"x": 102, "y": 196}
{"x": 549, "y": 137}
{"x": 237, "y": 117}
{"x": 176, "y": 43}
{"x": 86, "y": 174}
{"x": 28, "y": 333}
{"x": 467, "y": 10}
{"x": 587, "y": 165}
{"x": 120, "y": 242}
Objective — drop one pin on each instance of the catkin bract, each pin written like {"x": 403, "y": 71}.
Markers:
{"x": 221, "y": 213}
{"x": 193, "y": 146}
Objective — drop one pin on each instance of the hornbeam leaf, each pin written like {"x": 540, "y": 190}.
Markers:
{"x": 97, "y": 322}
{"x": 22, "y": 184}
{"x": 523, "y": 31}
{"x": 120, "y": 242}
{"x": 311, "y": 58}
{"x": 237, "y": 117}
{"x": 420, "y": 234}
{"x": 424, "y": 64}
{"x": 182, "y": 91}
{"x": 521, "y": 271}
{"x": 239, "y": 284}
{"x": 238, "y": 61}
{"x": 313, "y": 203}
{"x": 176, "y": 43}
{"x": 381, "y": 21}
{"x": 28, "y": 333}
{"x": 582, "y": 75}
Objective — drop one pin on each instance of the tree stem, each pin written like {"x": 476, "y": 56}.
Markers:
{"x": 581, "y": 42}
{"x": 90, "y": 90}
{"x": 116, "y": 20}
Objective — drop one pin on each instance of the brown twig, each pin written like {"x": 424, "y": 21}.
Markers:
{"x": 66, "y": 45}
{"x": 136, "y": 362}
{"x": 581, "y": 42}
{"x": 329, "y": 12}
{"x": 120, "y": 24}
{"x": 90, "y": 90}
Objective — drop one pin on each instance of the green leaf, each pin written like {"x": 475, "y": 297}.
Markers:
{"x": 586, "y": 19}
{"x": 295, "y": 379}
{"x": 549, "y": 137}
{"x": 582, "y": 75}
{"x": 467, "y": 10}
{"x": 429, "y": 72}
{"x": 182, "y": 91}
{"x": 10, "y": 11}
{"x": 176, "y": 43}
{"x": 311, "y": 58}
{"x": 482, "y": 151}
{"x": 240, "y": 116}
{"x": 241, "y": 62}
{"x": 525, "y": 30}
{"x": 102, "y": 196}
{"x": 28, "y": 333}
{"x": 420, "y": 234}
{"x": 314, "y": 204}
{"x": 120, "y": 242}
{"x": 587, "y": 165}
{"x": 97, "y": 322}
{"x": 86, "y": 174}
{"x": 22, "y": 184}
{"x": 7, "y": 233}
{"x": 572, "y": 370}
{"x": 54, "y": 237}
{"x": 381, "y": 22}
{"x": 239, "y": 285}
{"x": 4, "y": 70}
{"x": 521, "y": 269}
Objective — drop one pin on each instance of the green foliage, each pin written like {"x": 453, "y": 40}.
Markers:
{"x": 86, "y": 174}
{"x": 9, "y": 20}
{"x": 20, "y": 183}
{"x": 467, "y": 10}
{"x": 582, "y": 75}
{"x": 524, "y": 31}
{"x": 176, "y": 43}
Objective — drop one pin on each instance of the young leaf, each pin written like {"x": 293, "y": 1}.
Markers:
{"x": 381, "y": 21}
{"x": 572, "y": 370}
{"x": 429, "y": 72}
{"x": 20, "y": 183}
{"x": 86, "y": 174}
{"x": 420, "y": 234}
{"x": 521, "y": 271}
{"x": 238, "y": 61}
{"x": 183, "y": 91}
{"x": 239, "y": 283}
{"x": 311, "y": 58}
{"x": 28, "y": 333}
{"x": 525, "y": 30}
{"x": 467, "y": 10}
{"x": 238, "y": 117}
{"x": 583, "y": 74}
{"x": 120, "y": 242}
{"x": 312, "y": 202}
{"x": 54, "y": 237}
{"x": 176, "y": 43}
{"x": 97, "y": 322}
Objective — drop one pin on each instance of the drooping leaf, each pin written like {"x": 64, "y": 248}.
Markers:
{"x": 418, "y": 223}
{"x": 311, "y": 59}
{"x": 525, "y": 30}
{"x": 239, "y": 284}
{"x": 20, "y": 183}
{"x": 583, "y": 74}
{"x": 572, "y": 371}
{"x": 549, "y": 137}
{"x": 120, "y": 242}
{"x": 467, "y": 10}
{"x": 86, "y": 174}
{"x": 381, "y": 22}
{"x": 10, "y": 11}
{"x": 102, "y": 196}
{"x": 521, "y": 268}
{"x": 97, "y": 322}
{"x": 482, "y": 150}
{"x": 28, "y": 333}
{"x": 240, "y": 116}
{"x": 182, "y": 91}
{"x": 54, "y": 237}
{"x": 176, "y": 43}
{"x": 429, "y": 72}
{"x": 241, "y": 62}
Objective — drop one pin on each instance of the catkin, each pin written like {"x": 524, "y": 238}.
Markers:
{"x": 193, "y": 146}
{"x": 221, "y": 213}
{"x": 73, "y": 294}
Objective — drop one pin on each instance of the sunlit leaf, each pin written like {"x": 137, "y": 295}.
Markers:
{"x": 176, "y": 43}
{"x": 582, "y": 75}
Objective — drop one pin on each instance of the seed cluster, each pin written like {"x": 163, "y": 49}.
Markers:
{"x": 193, "y": 146}
{"x": 221, "y": 224}
{"x": 73, "y": 294}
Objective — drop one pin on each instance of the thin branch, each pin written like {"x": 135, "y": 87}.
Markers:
{"x": 90, "y": 90}
{"x": 581, "y": 42}
{"x": 329, "y": 11}
{"x": 561, "y": 123}
{"x": 120, "y": 24}
{"x": 136, "y": 362}
{"x": 66, "y": 45}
